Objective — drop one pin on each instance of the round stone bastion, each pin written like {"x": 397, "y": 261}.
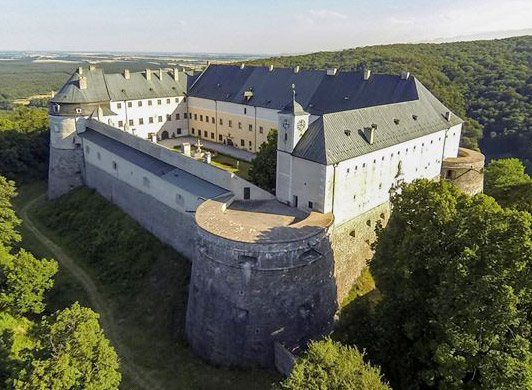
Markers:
{"x": 466, "y": 171}
{"x": 263, "y": 274}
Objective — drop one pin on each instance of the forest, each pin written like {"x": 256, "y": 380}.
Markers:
{"x": 486, "y": 83}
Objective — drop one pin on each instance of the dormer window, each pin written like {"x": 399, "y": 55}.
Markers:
{"x": 56, "y": 108}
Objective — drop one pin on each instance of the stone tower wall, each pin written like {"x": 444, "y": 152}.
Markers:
{"x": 65, "y": 171}
{"x": 245, "y": 297}
{"x": 465, "y": 171}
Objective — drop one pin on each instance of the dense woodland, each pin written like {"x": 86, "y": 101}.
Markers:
{"x": 487, "y": 83}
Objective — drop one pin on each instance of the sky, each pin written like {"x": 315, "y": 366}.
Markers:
{"x": 246, "y": 26}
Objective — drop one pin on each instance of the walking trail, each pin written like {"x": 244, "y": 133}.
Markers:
{"x": 140, "y": 377}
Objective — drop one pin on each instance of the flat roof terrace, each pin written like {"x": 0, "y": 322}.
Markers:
{"x": 260, "y": 222}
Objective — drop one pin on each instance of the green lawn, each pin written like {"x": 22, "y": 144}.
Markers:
{"x": 145, "y": 281}
{"x": 229, "y": 164}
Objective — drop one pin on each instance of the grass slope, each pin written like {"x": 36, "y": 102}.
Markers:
{"x": 145, "y": 281}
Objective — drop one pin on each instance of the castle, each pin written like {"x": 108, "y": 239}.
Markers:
{"x": 268, "y": 270}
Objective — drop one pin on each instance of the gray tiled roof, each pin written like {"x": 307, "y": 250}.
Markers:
{"x": 177, "y": 177}
{"x": 327, "y": 142}
{"x": 106, "y": 87}
{"x": 317, "y": 92}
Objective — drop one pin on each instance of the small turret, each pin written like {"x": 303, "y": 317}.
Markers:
{"x": 293, "y": 123}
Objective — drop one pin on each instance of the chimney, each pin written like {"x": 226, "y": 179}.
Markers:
{"x": 296, "y": 69}
{"x": 367, "y": 74}
{"x": 148, "y": 74}
{"x": 242, "y": 66}
{"x": 82, "y": 82}
{"x": 331, "y": 71}
{"x": 100, "y": 113}
{"x": 369, "y": 133}
{"x": 127, "y": 74}
{"x": 270, "y": 68}
{"x": 154, "y": 138}
{"x": 80, "y": 70}
{"x": 405, "y": 75}
{"x": 53, "y": 94}
{"x": 92, "y": 67}
{"x": 186, "y": 149}
{"x": 176, "y": 74}
{"x": 448, "y": 116}
{"x": 160, "y": 74}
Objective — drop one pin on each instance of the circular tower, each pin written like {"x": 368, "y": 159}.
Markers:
{"x": 263, "y": 274}
{"x": 79, "y": 98}
{"x": 466, "y": 171}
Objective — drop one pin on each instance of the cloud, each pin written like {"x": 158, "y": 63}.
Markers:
{"x": 320, "y": 16}
{"x": 400, "y": 21}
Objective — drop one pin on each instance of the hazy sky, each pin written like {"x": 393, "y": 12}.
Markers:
{"x": 246, "y": 26}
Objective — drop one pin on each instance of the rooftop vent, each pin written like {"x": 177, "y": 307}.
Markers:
{"x": 148, "y": 74}
{"x": 448, "y": 116}
{"x": 405, "y": 75}
{"x": 367, "y": 74}
{"x": 248, "y": 95}
{"x": 127, "y": 74}
{"x": 332, "y": 71}
{"x": 346, "y": 97}
{"x": 160, "y": 74}
{"x": 218, "y": 85}
{"x": 80, "y": 70}
{"x": 396, "y": 121}
{"x": 82, "y": 82}
{"x": 347, "y": 132}
{"x": 270, "y": 68}
{"x": 92, "y": 67}
{"x": 242, "y": 66}
{"x": 414, "y": 117}
{"x": 296, "y": 69}
{"x": 369, "y": 134}
{"x": 176, "y": 74}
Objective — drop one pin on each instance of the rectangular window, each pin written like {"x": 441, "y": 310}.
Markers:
{"x": 230, "y": 123}
{"x": 212, "y": 120}
{"x": 201, "y": 118}
{"x": 168, "y": 117}
{"x": 130, "y": 104}
{"x": 185, "y": 115}
{"x": 249, "y": 143}
{"x": 159, "y": 102}
{"x": 141, "y": 121}
{"x": 160, "y": 118}
{"x": 120, "y": 123}
{"x": 220, "y": 138}
{"x": 193, "y": 132}
{"x": 131, "y": 123}
{"x": 242, "y": 142}
{"x": 205, "y": 134}
{"x": 261, "y": 130}
{"x": 250, "y": 127}
{"x": 247, "y": 193}
{"x": 295, "y": 200}
{"x": 177, "y": 117}
{"x": 150, "y": 119}
{"x": 245, "y": 111}
{"x": 239, "y": 125}
{"x": 310, "y": 205}
{"x": 221, "y": 122}
{"x": 140, "y": 103}
{"x": 178, "y": 131}
{"x": 118, "y": 105}
{"x": 115, "y": 165}
{"x": 150, "y": 102}
{"x": 195, "y": 117}
{"x": 177, "y": 100}
{"x": 212, "y": 135}
{"x": 167, "y": 101}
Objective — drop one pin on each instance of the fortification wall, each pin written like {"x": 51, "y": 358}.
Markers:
{"x": 466, "y": 171}
{"x": 246, "y": 296}
{"x": 171, "y": 226}
{"x": 351, "y": 246}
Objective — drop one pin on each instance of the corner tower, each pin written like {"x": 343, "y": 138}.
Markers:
{"x": 82, "y": 95}
{"x": 293, "y": 122}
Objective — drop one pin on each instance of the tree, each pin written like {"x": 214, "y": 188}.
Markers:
{"x": 8, "y": 219}
{"x": 72, "y": 353}
{"x": 508, "y": 183}
{"x": 328, "y": 365}
{"x": 23, "y": 281}
{"x": 453, "y": 271}
{"x": 262, "y": 171}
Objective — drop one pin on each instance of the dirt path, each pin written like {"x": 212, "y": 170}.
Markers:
{"x": 137, "y": 375}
